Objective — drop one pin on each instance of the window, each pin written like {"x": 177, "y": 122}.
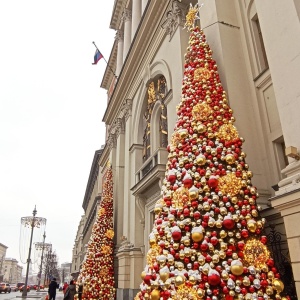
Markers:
{"x": 279, "y": 148}
{"x": 157, "y": 90}
{"x": 259, "y": 45}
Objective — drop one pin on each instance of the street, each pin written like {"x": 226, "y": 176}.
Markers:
{"x": 31, "y": 295}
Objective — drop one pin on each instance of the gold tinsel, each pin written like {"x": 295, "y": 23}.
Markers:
{"x": 110, "y": 233}
{"x": 256, "y": 253}
{"x": 230, "y": 184}
{"x": 185, "y": 292}
{"x": 228, "y": 132}
{"x": 106, "y": 249}
{"x": 180, "y": 197}
{"x": 201, "y": 111}
{"x": 202, "y": 74}
{"x": 101, "y": 212}
{"x": 103, "y": 271}
{"x": 152, "y": 254}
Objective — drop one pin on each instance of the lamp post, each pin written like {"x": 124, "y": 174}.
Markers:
{"x": 42, "y": 246}
{"x": 31, "y": 222}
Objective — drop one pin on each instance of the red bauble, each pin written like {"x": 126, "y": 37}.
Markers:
{"x": 172, "y": 177}
{"x": 245, "y": 233}
{"x": 197, "y": 215}
{"x": 176, "y": 235}
{"x": 212, "y": 182}
{"x": 147, "y": 279}
{"x": 264, "y": 239}
{"x": 214, "y": 279}
{"x": 228, "y": 223}
{"x": 187, "y": 181}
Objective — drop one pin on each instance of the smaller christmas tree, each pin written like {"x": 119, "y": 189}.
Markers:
{"x": 97, "y": 272}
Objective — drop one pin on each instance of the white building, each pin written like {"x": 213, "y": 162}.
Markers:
{"x": 256, "y": 46}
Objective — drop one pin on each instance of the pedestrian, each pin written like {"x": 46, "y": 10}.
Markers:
{"x": 65, "y": 287}
{"x": 52, "y": 289}
{"x": 80, "y": 290}
{"x": 70, "y": 291}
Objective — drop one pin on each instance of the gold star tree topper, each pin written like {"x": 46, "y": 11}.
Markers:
{"x": 192, "y": 16}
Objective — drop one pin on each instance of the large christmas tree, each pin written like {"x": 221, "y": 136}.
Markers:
{"x": 97, "y": 272}
{"x": 207, "y": 240}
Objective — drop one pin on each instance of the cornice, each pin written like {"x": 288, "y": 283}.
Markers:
{"x": 116, "y": 17}
{"x": 111, "y": 65}
{"x": 145, "y": 38}
{"x": 92, "y": 178}
{"x": 105, "y": 155}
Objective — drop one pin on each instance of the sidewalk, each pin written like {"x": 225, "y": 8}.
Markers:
{"x": 40, "y": 295}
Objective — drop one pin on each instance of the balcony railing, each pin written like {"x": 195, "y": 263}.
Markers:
{"x": 159, "y": 157}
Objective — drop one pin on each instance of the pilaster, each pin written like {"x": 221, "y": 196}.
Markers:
{"x": 127, "y": 31}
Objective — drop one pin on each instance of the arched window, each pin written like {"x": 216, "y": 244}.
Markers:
{"x": 156, "y": 90}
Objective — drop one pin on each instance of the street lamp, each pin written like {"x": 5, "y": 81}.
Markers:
{"x": 31, "y": 222}
{"x": 42, "y": 246}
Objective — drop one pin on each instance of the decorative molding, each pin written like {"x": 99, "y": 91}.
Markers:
{"x": 126, "y": 109}
{"x": 155, "y": 196}
{"x": 125, "y": 245}
{"x": 112, "y": 141}
{"x": 127, "y": 15}
{"x": 119, "y": 35}
{"x": 174, "y": 17}
{"x": 140, "y": 202}
{"x": 120, "y": 126}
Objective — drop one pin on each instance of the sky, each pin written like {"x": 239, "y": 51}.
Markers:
{"x": 51, "y": 110}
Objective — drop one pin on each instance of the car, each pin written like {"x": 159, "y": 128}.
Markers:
{"x": 14, "y": 288}
{"x": 33, "y": 286}
{"x": 22, "y": 287}
{"x": 5, "y": 287}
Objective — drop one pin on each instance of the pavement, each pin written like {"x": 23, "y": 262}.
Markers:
{"x": 34, "y": 295}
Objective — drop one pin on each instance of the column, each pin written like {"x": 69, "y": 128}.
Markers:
{"x": 144, "y": 4}
{"x": 120, "y": 39}
{"x": 127, "y": 31}
{"x": 222, "y": 29}
{"x": 136, "y": 16}
{"x": 282, "y": 50}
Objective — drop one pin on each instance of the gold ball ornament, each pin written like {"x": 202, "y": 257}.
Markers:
{"x": 155, "y": 295}
{"x": 269, "y": 291}
{"x": 164, "y": 276}
{"x": 200, "y": 293}
{"x": 179, "y": 280}
{"x": 251, "y": 225}
{"x": 236, "y": 267}
{"x": 278, "y": 285}
{"x": 200, "y": 160}
{"x": 143, "y": 275}
{"x": 230, "y": 159}
{"x": 192, "y": 279}
{"x": 197, "y": 236}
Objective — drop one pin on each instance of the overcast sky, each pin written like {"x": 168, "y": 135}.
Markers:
{"x": 51, "y": 109}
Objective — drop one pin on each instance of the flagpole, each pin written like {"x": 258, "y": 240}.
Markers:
{"x": 106, "y": 61}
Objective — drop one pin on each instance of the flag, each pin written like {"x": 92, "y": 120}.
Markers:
{"x": 97, "y": 57}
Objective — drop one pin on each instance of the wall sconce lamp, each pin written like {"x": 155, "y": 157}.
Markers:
{"x": 292, "y": 152}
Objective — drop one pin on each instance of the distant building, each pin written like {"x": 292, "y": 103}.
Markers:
{"x": 12, "y": 271}
{"x": 65, "y": 272}
{"x": 3, "y": 249}
{"x": 90, "y": 205}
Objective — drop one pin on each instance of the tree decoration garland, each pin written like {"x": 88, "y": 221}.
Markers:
{"x": 207, "y": 242}
{"x": 97, "y": 272}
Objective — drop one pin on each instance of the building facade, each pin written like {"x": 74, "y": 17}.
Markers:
{"x": 12, "y": 271}
{"x": 258, "y": 57}
{"x": 90, "y": 205}
{"x": 3, "y": 249}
